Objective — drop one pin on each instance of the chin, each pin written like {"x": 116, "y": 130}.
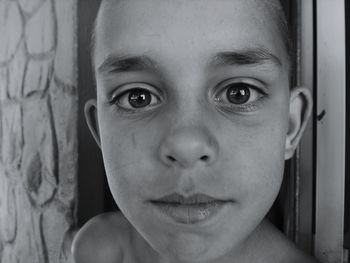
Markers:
{"x": 191, "y": 249}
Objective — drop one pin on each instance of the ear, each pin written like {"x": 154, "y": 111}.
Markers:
{"x": 300, "y": 108}
{"x": 90, "y": 111}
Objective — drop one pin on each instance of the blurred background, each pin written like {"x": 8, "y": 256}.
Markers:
{"x": 52, "y": 178}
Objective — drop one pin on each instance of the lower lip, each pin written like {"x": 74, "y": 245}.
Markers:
{"x": 190, "y": 214}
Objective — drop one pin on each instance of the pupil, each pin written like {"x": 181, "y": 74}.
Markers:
{"x": 238, "y": 94}
{"x": 139, "y": 98}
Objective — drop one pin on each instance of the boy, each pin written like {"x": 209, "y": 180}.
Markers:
{"x": 195, "y": 118}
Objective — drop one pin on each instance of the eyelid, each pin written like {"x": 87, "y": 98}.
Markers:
{"x": 254, "y": 83}
{"x": 122, "y": 89}
{"x": 258, "y": 86}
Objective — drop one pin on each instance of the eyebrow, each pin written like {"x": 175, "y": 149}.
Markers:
{"x": 245, "y": 57}
{"x": 124, "y": 63}
{"x": 117, "y": 63}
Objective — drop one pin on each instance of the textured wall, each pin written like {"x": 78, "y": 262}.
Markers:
{"x": 38, "y": 130}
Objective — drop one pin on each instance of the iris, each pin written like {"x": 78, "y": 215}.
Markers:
{"x": 139, "y": 98}
{"x": 238, "y": 93}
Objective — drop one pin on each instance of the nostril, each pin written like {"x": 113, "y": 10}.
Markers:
{"x": 171, "y": 159}
{"x": 204, "y": 158}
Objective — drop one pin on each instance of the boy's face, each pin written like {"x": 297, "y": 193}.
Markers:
{"x": 194, "y": 101}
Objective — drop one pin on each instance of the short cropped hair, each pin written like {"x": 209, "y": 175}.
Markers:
{"x": 278, "y": 8}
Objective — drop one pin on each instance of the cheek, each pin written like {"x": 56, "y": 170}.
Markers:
{"x": 255, "y": 157}
{"x": 128, "y": 156}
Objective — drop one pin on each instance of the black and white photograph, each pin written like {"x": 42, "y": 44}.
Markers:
{"x": 174, "y": 131}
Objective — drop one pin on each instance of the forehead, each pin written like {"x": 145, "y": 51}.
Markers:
{"x": 195, "y": 27}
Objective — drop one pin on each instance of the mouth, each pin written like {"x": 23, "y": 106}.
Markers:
{"x": 193, "y": 209}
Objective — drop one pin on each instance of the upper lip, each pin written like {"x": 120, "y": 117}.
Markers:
{"x": 193, "y": 199}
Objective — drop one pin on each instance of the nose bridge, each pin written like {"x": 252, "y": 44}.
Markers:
{"x": 189, "y": 138}
{"x": 189, "y": 145}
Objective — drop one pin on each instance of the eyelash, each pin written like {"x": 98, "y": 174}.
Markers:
{"x": 225, "y": 106}
{"x": 253, "y": 85}
{"x": 116, "y": 97}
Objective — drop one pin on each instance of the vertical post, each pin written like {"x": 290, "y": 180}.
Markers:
{"x": 292, "y": 175}
{"x": 304, "y": 236}
{"x": 347, "y": 168}
{"x": 330, "y": 130}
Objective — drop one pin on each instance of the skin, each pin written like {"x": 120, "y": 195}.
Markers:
{"x": 158, "y": 149}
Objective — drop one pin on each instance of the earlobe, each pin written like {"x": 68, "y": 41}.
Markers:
{"x": 90, "y": 111}
{"x": 300, "y": 108}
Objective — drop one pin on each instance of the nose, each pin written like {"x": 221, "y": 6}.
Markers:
{"x": 188, "y": 147}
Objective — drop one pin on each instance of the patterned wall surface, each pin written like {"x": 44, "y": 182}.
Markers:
{"x": 38, "y": 129}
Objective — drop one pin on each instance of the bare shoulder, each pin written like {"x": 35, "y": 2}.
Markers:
{"x": 102, "y": 239}
{"x": 280, "y": 249}
{"x": 295, "y": 255}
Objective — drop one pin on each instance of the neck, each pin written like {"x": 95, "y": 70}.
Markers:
{"x": 251, "y": 250}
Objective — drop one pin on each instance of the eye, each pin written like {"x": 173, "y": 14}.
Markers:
{"x": 239, "y": 93}
{"x": 137, "y": 98}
